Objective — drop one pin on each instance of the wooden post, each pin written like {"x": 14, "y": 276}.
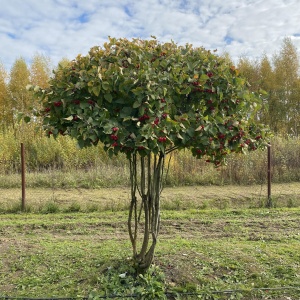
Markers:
{"x": 23, "y": 176}
{"x": 269, "y": 202}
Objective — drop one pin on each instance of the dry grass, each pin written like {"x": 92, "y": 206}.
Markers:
{"x": 200, "y": 197}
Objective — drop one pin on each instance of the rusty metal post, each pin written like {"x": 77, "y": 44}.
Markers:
{"x": 269, "y": 202}
{"x": 23, "y": 176}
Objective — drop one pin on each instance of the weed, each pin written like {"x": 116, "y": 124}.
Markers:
{"x": 74, "y": 207}
{"x": 92, "y": 208}
{"x": 50, "y": 208}
{"x": 16, "y": 207}
{"x": 122, "y": 281}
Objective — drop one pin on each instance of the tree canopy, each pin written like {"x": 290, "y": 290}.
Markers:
{"x": 147, "y": 97}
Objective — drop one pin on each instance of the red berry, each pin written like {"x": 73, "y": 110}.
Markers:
{"x": 115, "y": 129}
{"x": 58, "y": 103}
{"x": 114, "y": 137}
{"x": 144, "y": 118}
{"x": 162, "y": 139}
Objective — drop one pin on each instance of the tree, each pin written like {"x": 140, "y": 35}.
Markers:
{"x": 20, "y": 98}
{"x": 40, "y": 70}
{"x": 146, "y": 99}
{"x": 268, "y": 111}
{"x": 5, "y": 109}
{"x": 286, "y": 70}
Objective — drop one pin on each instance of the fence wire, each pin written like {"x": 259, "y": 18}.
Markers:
{"x": 168, "y": 294}
{"x": 79, "y": 199}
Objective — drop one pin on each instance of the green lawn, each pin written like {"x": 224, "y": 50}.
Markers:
{"x": 250, "y": 253}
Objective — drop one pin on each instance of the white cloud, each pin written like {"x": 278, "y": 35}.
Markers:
{"x": 64, "y": 28}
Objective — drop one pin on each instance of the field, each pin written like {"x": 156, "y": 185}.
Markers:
{"x": 214, "y": 244}
{"x": 182, "y": 197}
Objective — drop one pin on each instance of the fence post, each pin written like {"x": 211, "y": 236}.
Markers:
{"x": 23, "y": 176}
{"x": 269, "y": 202}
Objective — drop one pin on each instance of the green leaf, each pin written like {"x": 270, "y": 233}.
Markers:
{"x": 190, "y": 132}
{"x": 136, "y": 104}
{"x": 190, "y": 66}
{"x": 105, "y": 85}
{"x": 27, "y": 119}
{"x": 203, "y": 78}
{"x": 96, "y": 90}
{"x": 108, "y": 97}
{"x": 204, "y": 140}
{"x": 126, "y": 112}
{"x": 186, "y": 91}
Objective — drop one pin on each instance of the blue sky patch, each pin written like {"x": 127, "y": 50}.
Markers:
{"x": 83, "y": 18}
{"x": 228, "y": 39}
{"x": 11, "y": 35}
{"x": 128, "y": 11}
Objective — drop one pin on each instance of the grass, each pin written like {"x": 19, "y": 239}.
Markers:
{"x": 254, "y": 253}
{"x": 114, "y": 199}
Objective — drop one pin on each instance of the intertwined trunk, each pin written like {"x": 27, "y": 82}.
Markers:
{"x": 144, "y": 214}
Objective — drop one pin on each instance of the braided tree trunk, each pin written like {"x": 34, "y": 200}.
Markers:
{"x": 144, "y": 214}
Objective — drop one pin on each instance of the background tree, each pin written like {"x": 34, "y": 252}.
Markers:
{"x": 280, "y": 79}
{"x": 267, "y": 83}
{"x": 40, "y": 70}
{"x": 5, "y": 109}
{"x": 286, "y": 71}
{"x": 146, "y": 99}
{"x": 19, "y": 79}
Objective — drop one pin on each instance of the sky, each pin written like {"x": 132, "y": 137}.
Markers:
{"x": 64, "y": 28}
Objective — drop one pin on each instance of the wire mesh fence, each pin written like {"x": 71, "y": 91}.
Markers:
{"x": 118, "y": 198}
{"x": 103, "y": 186}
